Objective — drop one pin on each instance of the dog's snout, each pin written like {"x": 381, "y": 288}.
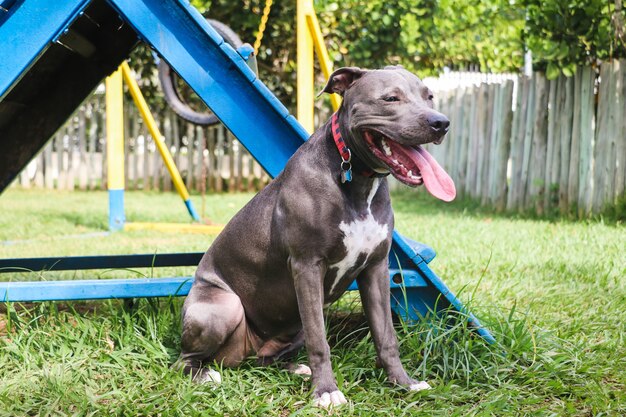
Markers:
{"x": 439, "y": 123}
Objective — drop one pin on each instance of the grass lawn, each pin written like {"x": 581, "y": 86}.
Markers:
{"x": 552, "y": 292}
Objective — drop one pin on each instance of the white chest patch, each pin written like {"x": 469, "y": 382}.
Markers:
{"x": 361, "y": 236}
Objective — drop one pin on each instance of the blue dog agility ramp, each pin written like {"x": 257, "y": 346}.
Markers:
{"x": 55, "y": 53}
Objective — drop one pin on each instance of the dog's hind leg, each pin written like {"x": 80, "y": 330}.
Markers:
{"x": 214, "y": 329}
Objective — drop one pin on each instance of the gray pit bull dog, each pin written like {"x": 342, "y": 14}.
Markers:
{"x": 262, "y": 286}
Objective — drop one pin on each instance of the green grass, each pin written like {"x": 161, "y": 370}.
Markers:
{"x": 552, "y": 292}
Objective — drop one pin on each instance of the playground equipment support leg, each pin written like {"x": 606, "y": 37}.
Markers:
{"x": 304, "y": 61}
{"x": 115, "y": 149}
{"x": 322, "y": 53}
{"x": 141, "y": 104}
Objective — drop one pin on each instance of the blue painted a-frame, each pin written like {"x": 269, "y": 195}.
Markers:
{"x": 55, "y": 53}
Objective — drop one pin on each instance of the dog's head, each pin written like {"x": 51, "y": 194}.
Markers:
{"x": 389, "y": 114}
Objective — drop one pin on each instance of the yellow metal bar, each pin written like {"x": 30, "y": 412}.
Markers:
{"x": 141, "y": 104}
{"x": 322, "y": 53}
{"x": 305, "y": 83}
{"x": 115, "y": 131}
{"x": 175, "y": 227}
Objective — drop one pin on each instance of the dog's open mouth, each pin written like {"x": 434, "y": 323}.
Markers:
{"x": 411, "y": 165}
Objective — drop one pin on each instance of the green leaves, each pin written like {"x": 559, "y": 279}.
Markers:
{"x": 562, "y": 35}
{"x": 552, "y": 71}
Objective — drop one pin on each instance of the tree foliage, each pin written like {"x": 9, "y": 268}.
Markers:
{"x": 562, "y": 35}
{"x": 373, "y": 33}
{"x": 427, "y": 35}
{"x": 480, "y": 34}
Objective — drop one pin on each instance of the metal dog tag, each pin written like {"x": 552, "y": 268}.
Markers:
{"x": 346, "y": 176}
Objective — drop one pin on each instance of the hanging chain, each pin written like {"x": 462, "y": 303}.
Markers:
{"x": 259, "y": 36}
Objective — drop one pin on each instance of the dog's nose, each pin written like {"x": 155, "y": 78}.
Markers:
{"x": 439, "y": 123}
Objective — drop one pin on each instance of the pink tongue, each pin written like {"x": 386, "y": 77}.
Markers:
{"x": 436, "y": 179}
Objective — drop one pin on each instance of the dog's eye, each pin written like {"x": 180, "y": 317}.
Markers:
{"x": 390, "y": 99}
{"x": 431, "y": 97}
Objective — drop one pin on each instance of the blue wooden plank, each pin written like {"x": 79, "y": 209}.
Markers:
{"x": 132, "y": 288}
{"x": 408, "y": 279}
{"x": 94, "y": 289}
{"x": 415, "y": 251}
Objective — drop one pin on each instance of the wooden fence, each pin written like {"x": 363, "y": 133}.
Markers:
{"x": 209, "y": 158}
{"x": 533, "y": 144}
{"x": 517, "y": 143}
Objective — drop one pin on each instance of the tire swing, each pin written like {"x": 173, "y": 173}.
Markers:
{"x": 178, "y": 96}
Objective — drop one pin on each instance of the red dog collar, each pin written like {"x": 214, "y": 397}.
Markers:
{"x": 346, "y": 155}
{"x": 344, "y": 151}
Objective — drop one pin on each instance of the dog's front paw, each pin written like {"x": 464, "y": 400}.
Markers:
{"x": 419, "y": 386}
{"x": 327, "y": 399}
{"x": 410, "y": 384}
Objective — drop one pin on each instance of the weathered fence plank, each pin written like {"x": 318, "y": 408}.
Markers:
{"x": 554, "y": 111}
{"x": 539, "y": 145}
{"x": 82, "y": 149}
{"x": 468, "y": 118}
{"x": 517, "y": 144}
{"x": 231, "y": 163}
{"x": 494, "y": 137}
{"x": 620, "y": 153}
{"x": 602, "y": 147}
{"x": 95, "y": 124}
{"x": 528, "y": 141}
{"x": 572, "y": 177}
{"x": 562, "y": 163}
{"x": 504, "y": 146}
{"x": 145, "y": 168}
{"x": 478, "y": 112}
{"x": 47, "y": 165}
{"x": 615, "y": 116}
{"x": 587, "y": 118}
{"x": 483, "y": 146}
{"x": 38, "y": 179}
{"x": 219, "y": 158}
{"x": 456, "y": 131}
{"x": 128, "y": 137}
{"x": 190, "y": 161}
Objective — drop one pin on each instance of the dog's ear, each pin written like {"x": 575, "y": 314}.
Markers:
{"x": 340, "y": 80}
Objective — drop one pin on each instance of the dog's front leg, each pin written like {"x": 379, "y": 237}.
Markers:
{"x": 374, "y": 289}
{"x": 308, "y": 279}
